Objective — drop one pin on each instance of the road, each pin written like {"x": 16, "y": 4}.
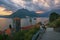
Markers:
{"x": 50, "y": 34}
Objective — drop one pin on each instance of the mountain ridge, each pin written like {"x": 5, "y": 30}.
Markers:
{"x": 22, "y": 13}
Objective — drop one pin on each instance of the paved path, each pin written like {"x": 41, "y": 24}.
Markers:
{"x": 50, "y": 34}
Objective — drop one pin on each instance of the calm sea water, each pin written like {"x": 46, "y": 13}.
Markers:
{"x": 4, "y": 22}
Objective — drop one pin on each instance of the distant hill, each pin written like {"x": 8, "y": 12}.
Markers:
{"x": 46, "y": 14}
{"x": 4, "y": 16}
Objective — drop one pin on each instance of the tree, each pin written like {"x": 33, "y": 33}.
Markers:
{"x": 55, "y": 23}
{"x": 53, "y": 16}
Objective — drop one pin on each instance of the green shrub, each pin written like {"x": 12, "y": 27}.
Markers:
{"x": 55, "y": 23}
{"x": 1, "y": 37}
{"x": 25, "y": 34}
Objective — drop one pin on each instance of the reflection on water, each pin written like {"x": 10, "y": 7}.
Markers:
{"x": 4, "y": 22}
{"x": 26, "y": 22}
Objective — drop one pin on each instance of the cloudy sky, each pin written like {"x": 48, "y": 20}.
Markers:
{"x": 39, "y": 6}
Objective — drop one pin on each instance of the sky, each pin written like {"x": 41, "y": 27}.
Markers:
{"x": 3, "y": 11}
{"x": 39, "y": 6}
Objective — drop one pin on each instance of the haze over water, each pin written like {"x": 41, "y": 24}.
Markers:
{"x": 4, "y": 22}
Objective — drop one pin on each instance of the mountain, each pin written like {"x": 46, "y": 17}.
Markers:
{"x": 56, "y": 10}
{"x": 5, "y": 17}
{"x": 47, "y": 14}
{"x": 22, "y": 13}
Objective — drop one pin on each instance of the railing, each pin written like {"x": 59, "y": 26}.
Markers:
{"x": 39, "y": 33}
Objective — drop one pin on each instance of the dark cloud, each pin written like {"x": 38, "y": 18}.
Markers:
{"x": 27, "y": 0}
{"x": 9, "y": 5}
{"x": 30, "y": 4}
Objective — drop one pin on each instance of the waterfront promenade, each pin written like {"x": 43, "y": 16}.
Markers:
{"x": 50, "y": 34}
